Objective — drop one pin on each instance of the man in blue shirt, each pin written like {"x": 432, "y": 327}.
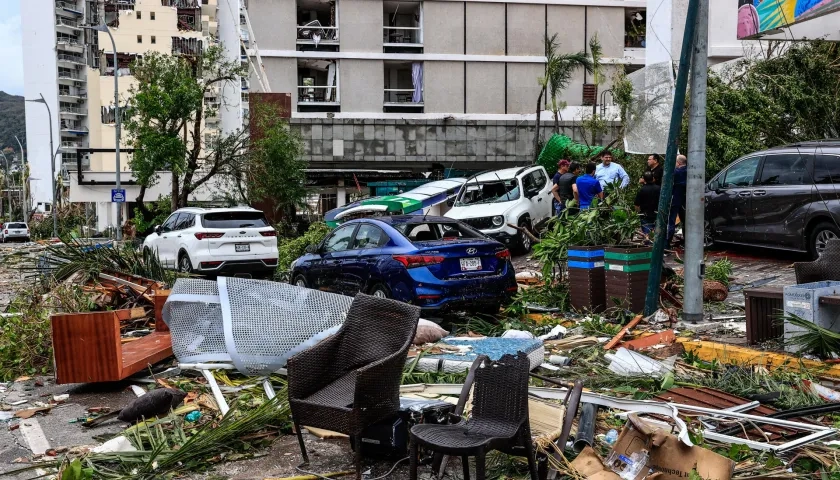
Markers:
{"x": 588, "y": 187}
{"x": 678, "y": 197}
{"x": 608, "y": 172}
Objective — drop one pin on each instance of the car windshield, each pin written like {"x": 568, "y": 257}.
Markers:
{"x": 16, "y": 225}
{"x": 431, "y": 231}
{"x": 495, "y": 191}
{"x": 234, "y": 220}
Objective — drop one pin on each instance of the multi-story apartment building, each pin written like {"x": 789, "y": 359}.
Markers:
{"x": 418, "y": 85}
{"x": 73, "y": 68}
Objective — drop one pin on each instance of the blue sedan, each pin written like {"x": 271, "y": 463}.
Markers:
{"x": 435, "y": 263}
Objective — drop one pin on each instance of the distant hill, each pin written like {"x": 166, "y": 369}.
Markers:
{"x": 11, "y": 121}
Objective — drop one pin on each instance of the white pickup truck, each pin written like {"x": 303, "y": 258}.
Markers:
{"x": 518, "y": 196}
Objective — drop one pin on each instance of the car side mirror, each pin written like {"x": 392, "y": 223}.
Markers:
{"x": 157, "y": 229}
{"x": 311, "y": 248}
{"x": 450, "y": 201}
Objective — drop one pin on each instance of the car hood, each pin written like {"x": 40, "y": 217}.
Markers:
{"x": 480, "y": 210}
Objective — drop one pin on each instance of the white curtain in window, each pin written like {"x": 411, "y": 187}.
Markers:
{"x": 417, "y": 81}
{"x": 330, "y": 82}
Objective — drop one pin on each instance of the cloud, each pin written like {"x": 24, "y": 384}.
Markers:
{"x": 11, "y": 54}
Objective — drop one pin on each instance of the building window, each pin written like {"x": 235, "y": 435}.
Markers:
{"x": 152, "y": 15}
{"x": 154, "y": 39}
{"x": 139, "y": 16}
{"x": 139, "y": 38}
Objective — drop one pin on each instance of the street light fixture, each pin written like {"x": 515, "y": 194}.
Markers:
{"x": 118, "y": 121}
{"x": 53, "y": 154}
{"x": 24, "y": 180}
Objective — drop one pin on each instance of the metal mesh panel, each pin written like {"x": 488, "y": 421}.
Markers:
{"x": 270, "y": 321}
{"x": 194, "y": 315}
{"x": 649, "y": 114}
{"x": 255, "y": 324}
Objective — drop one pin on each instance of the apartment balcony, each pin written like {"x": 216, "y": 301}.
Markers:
{"x": 403, "y": 28}
{"x": 70, "y": 145}
{"x": 313, "y": 36}
{"x": 71, "y": 97}
{"x": 318, "y": 98}
{"x": 68, "y": 9}
{"x": 63, "y": 24}
{"x": 71, "y": 111}
{"x": 69, "y": 45}
{"x": 73, "y": 128}
{"x": 66, "y": 77}
{"x": 403, "y": 87}
{"x": 63, "y": 58}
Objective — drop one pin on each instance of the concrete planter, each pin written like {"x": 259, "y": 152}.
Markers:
{"x": 627, "y": 269}
{"x": 586, "y": 278}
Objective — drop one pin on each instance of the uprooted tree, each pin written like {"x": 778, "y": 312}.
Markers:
{"x": 165, "y": 121}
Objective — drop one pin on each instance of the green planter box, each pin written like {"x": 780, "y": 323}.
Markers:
{"x": 626, "y": 276}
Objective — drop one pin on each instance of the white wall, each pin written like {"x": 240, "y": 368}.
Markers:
{"x": 231, "y": 109}
{"x": 40, "y": 75}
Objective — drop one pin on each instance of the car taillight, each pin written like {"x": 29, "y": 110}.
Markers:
{"x": 411, "y": 261}
{"x": 269, "y": 261}
{"x": 270, "y": 233}
{"x": 503, "y": 254}
{"x": 203, "y": 235}
{"x": 207, "y": 265}
{"x": 6, "y": 231}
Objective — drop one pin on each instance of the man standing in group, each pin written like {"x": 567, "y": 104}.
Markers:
{"x": 655, "y": 169}
{"x": 588, "y": 187}
{"x": 678, "y": 197}
{"x": 564, "y": 184}
{"x": 608, "y": 172}
{"x": 647, "y": 201}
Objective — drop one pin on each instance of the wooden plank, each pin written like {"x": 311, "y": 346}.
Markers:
{"x": 735, "y": 355}
{"x": 160, "y": 299}
{"x": 667, "y": 337}
{"x": 135, "y": 313}
{"x": 147, "y": 351}
{"x": 86, "y": 347}
{"x": 612, "y": 343}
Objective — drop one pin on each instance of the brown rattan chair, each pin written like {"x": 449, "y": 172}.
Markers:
{"x": 499, "y": 420}
{"x": 826, "y": 267}
{"x": 352, "y": 379}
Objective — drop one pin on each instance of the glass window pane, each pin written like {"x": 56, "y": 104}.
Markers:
{"x": 370, "y": 236}
{"x": 827, "y": 169}
{"x": 783, "y": 169}
{"x": 340, "y": 239}
{"x": 741, "y": 174}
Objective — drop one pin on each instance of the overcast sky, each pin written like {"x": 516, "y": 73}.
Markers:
{"x": 11, "y": 55}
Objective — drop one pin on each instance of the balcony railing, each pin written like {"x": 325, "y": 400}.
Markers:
{"x": 71, "y": 58}
{"x": 65, "y": 127}
{"x": 314, "y": 32}
{"x": 68, "y": 6}
{"x": 402, "y": 96}
{"x": 63, "y": 22}
{"x": 64, "y": 41}
{"x": 401, "y": 35}
{"x": 67, "y": 144}
{"x": 64, "y": 75}
{"x": 70, "y": 110}
{"x": 317, "y": 94}
{"x": 181, "y": 3}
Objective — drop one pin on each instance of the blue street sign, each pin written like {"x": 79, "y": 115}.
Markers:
{"x": 118, "y": 196}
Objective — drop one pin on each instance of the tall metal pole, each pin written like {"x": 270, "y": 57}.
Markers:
{"x": 118, "y": 127}
{"x": 24, "y": 181}
{"x": 8, "y": 184}
{"x": 652, "y": 295}
{"x": 53, "y": 153}
{"x": 695, "y": 188}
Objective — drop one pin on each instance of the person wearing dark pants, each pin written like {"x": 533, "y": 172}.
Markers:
{"x": 647, "y": 202}
{"x": 564, "y": 184}
{"x": 678, "y": 197}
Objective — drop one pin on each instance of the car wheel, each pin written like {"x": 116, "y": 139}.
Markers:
{"x": 184, "y": 264}
{"x": 820, "y": 236}
{"x": 380, "y": 291}
{"x": 300, "y": 281}
{"x": 524, "y": 241}
{"x": 708, "y": 238}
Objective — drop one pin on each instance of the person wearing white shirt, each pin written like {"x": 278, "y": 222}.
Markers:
{"x": 608, "y": 172}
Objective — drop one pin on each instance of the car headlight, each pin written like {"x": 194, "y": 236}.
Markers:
{"x": 498, "y": 220}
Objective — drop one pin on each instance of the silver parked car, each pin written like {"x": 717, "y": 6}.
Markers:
{"x": 15, "y": 231}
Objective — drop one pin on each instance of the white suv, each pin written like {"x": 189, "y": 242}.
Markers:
{"x": 216, "y": 241}
{"x": 490, "y": 201}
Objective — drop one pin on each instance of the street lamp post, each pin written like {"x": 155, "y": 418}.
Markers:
{"x": 53, "y": 154}
{"x": 118, "y": 120}
{"x": 24, "y": 181}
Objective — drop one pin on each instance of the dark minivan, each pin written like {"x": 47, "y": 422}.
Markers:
{"x": 786, "y": 198}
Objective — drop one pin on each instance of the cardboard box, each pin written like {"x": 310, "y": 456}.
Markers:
{"x": 669, "y": 459}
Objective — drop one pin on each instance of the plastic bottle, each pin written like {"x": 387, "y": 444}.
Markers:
{"x": 611, "y": 437}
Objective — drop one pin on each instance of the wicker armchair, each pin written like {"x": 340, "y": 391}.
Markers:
{"x": 499, "y": 420}
{"x": 352, "y": 379}
{"x": 826, "y": 267}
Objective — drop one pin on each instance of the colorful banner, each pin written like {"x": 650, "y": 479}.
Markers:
{"x": 759, "y": 16}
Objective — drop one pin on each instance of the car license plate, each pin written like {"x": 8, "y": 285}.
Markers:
{"x": 470, "y": 264}
{"x": 242, "y": 247}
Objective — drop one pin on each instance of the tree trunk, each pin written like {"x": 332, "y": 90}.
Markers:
{"x": 141, "y": 204}
{"x": 175, "y": 191}
{"x": 556, "y": 121}
{"x": 537, "y": 125}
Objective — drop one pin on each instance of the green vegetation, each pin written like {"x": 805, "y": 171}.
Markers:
{"x": 720, "y": 271}
{"x": 12, "y": 122}
{"x": 292, "y": 248}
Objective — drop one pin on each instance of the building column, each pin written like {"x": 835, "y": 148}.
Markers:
{"x": 340, "y": 194}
